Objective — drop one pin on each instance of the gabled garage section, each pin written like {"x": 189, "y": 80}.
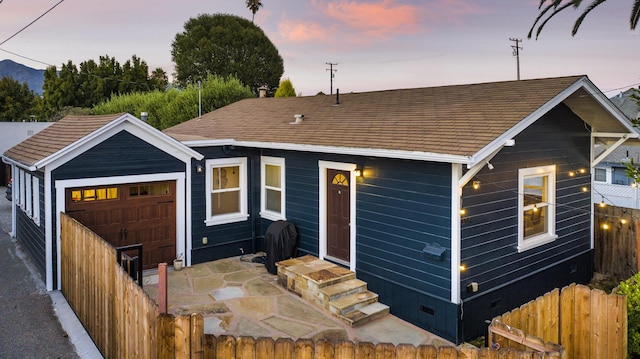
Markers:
{"x": 115, "y": 174}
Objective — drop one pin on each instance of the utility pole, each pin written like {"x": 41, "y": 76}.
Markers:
{"x": 516, "y": 52}
{"x": 332, "y": 73}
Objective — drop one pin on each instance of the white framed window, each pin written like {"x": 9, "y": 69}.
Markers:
{"x": 272, "y": 188}
{"x": 28, "y": 200}
{"x": 600, "y": 175}
{"x": 536, "y": 206}
{"x": 226, "y": 191}
{"x": 36, "y": 199}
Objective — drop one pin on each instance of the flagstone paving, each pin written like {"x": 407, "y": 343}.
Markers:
{"x": 240, "y": 298}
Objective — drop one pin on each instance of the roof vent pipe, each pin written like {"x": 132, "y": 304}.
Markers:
{"x": 144, "y": 116}
{"x": 337, "y": 96}
{"x": 298, "y": 118}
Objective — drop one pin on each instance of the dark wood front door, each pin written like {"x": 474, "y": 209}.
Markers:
{"x": 338, "y": 214}
{"x": 139, "y": 213}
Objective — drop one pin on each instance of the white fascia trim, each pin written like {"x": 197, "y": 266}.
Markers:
{"x": 130, "y": 124}
{"x": 15, "y": 163}
{"x": 356, "y": 151}
{"x": 456, "y": 193}
{"x": 62, "y": 185}
{"x": 541, "y": 111}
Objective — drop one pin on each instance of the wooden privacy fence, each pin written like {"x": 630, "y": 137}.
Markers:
{"x": 183, "y": 338}
{"x": 113, "y": 309}
{"x": 125, "y": 323}
{"x": 616, "y": 241}
{"x": 588, "y": 324}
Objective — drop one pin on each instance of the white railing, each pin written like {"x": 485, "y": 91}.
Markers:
{"x": 617, "y": 195}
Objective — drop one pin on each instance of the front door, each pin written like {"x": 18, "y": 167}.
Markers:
{"x": 338, "y": 215}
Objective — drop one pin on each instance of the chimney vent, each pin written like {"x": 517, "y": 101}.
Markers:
{"x": 337, "y": 96}
{"x": 262, "y": 91}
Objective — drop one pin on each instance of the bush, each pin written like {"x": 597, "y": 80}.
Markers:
{"x": 174, "y": 106}
{"x": 631, "y": 288}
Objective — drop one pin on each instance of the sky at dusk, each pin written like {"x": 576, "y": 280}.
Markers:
{"x": 377, "y": 44}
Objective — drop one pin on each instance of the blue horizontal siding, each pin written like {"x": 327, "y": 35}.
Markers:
{"x": 122, "y": 154}
{"x": 490, "y": 231}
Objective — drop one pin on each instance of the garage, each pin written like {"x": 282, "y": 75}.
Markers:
{"x": 128, "y": 214}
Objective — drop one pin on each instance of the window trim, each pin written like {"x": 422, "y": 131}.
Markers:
{"x": 36, "y": 200}
{"x": 28, "y": 199}
{"x": 243, "y": 214}
{"x": 264, "y": 212}
{"x": 550, "y": 235}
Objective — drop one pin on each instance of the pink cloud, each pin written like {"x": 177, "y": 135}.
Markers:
{"x": 302, "y": 31}
{"x": 381, "y": 19}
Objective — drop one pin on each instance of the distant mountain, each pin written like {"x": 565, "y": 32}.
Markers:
{"x": 21, "y": 73}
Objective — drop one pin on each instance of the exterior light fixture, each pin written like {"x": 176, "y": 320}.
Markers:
{"x": 572, "y": 173}
{"x": 476, "y": 184}
{"x": 585, "y": 189}
{"x": 605, "y": 225}
{"x": 357, "y": 172}
{"x": 463, "y": 211}
{"x": 602, "y": 204}
{"x": 582, "y": 171}
{"x": 198, "y": 168}
{"x": 463, "y": 268}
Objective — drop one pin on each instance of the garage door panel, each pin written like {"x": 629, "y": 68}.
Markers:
{"x": 130, "y": 214}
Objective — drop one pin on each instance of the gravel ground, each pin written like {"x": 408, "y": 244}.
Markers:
{"x": 29, "y": 327}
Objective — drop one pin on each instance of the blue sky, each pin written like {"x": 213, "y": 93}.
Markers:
{"x": 377, "y": 44}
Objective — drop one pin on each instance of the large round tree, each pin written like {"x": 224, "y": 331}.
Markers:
{"x": 226, "y": 45}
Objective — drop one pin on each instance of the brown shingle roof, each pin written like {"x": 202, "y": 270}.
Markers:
{"x": 56, "y": 137}
{"x": 454, "y": 120}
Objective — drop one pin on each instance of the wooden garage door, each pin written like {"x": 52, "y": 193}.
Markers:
{"x": 130, "y": 214}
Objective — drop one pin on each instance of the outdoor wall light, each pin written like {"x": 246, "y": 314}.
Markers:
{"x": 357, "y": 172}
{"x": 476, "y": 184}
{"x": 199, "y": 168}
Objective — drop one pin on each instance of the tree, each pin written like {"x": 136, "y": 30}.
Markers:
{"x": 254, "y": 6}
{"x": 555, "y": 6}
{"x": 226, "y": 45}
{"x": 17, "y": 101}
{"x": 285, "y": 89}
{"x": 96, "y": 82}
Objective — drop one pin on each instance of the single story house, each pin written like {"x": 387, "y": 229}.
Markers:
{"x": 454, "y": 203}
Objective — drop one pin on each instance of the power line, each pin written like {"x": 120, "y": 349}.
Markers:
{"x": 31, "y": 23}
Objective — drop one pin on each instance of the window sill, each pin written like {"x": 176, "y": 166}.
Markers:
{"x": 536, "y": 241}
{"x": 273, "y": 216}
{"x": 227, "y": 218}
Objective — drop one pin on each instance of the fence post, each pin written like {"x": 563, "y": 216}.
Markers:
{"x": 162, "y": 288}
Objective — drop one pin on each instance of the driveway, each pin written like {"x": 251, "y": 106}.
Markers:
{"x": 29, "y": 327}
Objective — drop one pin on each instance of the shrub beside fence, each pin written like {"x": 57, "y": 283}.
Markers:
{"x": 586, "y": 323}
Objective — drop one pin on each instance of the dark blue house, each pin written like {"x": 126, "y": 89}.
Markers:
{"x": 455, "y": 203}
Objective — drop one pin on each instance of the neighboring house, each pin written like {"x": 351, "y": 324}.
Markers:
{"x": 114, "y": 173}
{"x": 612, "y": 185}
{"x": 455, "y": 203}
{"x": 12, "y": 133}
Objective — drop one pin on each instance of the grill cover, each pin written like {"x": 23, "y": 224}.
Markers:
{"x": 280, "y": 243}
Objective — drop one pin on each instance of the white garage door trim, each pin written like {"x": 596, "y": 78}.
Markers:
{"x": 182, "y": 245}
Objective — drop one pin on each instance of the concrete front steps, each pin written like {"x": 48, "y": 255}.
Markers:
{"x": 334, "y": 288}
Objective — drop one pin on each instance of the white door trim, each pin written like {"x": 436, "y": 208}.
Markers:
{"x": 181, "y": 191}
{"x": 322, "y": 205}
